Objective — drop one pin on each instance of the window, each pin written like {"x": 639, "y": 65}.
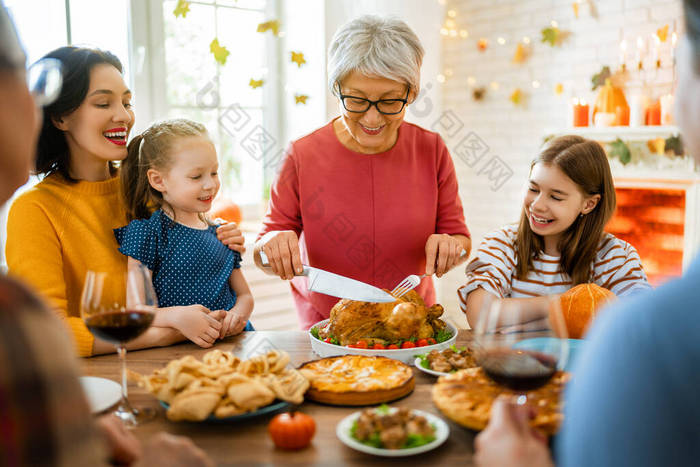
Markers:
{"x": 195, "y": 86}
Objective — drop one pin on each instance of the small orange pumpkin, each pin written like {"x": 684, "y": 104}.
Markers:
{"x": 292, "y": 430}
{"x": 609, "y": 99}
{"x": 226, "y": 209}
{"x": 579, "y": 306}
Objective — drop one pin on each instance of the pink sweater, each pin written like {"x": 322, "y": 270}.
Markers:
{"x": 364, "y": 216}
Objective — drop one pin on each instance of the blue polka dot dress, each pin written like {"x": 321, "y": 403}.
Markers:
{"x": 190, "y": 266}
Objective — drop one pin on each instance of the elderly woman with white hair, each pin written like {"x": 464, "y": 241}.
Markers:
{"x": 368, "y": 195}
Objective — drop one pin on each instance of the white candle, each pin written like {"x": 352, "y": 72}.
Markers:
{"x": 640, "y": 49}
{"x": 638, "y": 107}
{"x": 666, "y": 109}
{"x": 623, "y": 53}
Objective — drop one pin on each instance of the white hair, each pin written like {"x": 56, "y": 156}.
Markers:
{"x": 377, "y": 47}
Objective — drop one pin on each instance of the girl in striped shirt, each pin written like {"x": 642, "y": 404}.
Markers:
{"x": 559, "y": 241}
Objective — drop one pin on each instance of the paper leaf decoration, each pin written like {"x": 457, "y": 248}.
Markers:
{"x": 558, "y": 89}
{"x": 256, "y": 83}
{"x": 619, "y": 149}
{"x": 300, "y": 98}
{"x": 599, "y": 78}
{"x": 272, "y": 25}
{"x": 550, "y": 35}
{"x": 575, "y": 7}
{"x": 482, "y": 44}
{"x": 522, "y": 53}
{"x": 298, "y": 58}
{"x": 479, "y": 93}
{"x": 662, "y": 33}
{"x": 657, "y": 145}
{"x": 516, "y": 96}
{"x": 182, "y": 8}
{"x": 220, "y": 52}
{"x": 675, "y": 144}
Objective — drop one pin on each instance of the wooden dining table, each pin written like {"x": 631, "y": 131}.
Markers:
{"x": 246, "y": 442}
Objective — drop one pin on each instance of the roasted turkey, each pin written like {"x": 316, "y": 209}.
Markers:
{"x": 351, "y": 321}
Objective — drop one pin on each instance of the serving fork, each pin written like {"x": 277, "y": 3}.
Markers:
{"x": 411, "y": 282}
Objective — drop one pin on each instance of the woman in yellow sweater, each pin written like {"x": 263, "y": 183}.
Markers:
{"x": 62, "y": 227}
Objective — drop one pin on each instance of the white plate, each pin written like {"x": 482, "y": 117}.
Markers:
{"x": 428, "y": 370}
{"x": 101, "y": 393}
{"x": 407, "y": 356}
{"x": 442, "y": 432}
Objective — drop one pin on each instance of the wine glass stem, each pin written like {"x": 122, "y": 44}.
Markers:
{"x": 121, "y": 351}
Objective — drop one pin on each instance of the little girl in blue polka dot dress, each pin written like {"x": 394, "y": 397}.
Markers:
{"x": 169, "y": 180}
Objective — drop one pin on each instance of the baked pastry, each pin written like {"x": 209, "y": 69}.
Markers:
{"x": 467, "y": 395}
{"x": 357, "y": 380}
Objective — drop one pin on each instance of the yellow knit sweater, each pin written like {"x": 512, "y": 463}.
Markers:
{"x": 56, "y": 232}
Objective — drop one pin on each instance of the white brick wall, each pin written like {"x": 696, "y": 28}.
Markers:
{"x": 515, "y": 133}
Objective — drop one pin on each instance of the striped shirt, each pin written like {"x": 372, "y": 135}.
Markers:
{"x": 616, "y": 267}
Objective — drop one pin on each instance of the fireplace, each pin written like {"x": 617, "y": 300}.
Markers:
{"x": 653, "y": 220}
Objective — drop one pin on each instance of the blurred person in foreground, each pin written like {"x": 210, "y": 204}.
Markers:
{"x": 634, "y": 399}
{"x": 44, "y": 414}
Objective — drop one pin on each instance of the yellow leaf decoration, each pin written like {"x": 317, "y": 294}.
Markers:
{"x": 220, "y": 52}
{"x": 272, "y": 25}
{"x": 657, "y": 146}
{"x": 298, "y": 58}
{"x": 558, "y": 89}
{"x": 575, "y": 7}
{"x": 522, "y": 53}
{"x": 256, "y": 83}
{"x": 662, "y": 33}
{"x": 516, "y": 96}
{"x": 300, "y": 98}
{"x": 182, "y": 8}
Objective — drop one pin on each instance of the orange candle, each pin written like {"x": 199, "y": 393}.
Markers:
{"x": 622, "y": 115}
{"x": 580, "y": 113}
{"x": 654, "y": 113}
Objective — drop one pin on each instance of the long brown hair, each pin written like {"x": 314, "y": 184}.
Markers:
{"x": 584, "y": 162}
{"x": 151, "y": 150}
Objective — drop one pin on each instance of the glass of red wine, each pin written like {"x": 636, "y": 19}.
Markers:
{"x": 116, "y": 317}
{"x": 521, "y": 344}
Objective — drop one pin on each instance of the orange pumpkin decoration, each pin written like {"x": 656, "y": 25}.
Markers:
{"x": 292, "y": 430}
{"x": 579, "y": 306}
{"x": 610, "y": 98}
{"x": 227, "y": 210}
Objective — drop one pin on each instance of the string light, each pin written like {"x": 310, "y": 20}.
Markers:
{"x": 554, "y": 24}
{"x": 471, "y": 81}
{"x": 535, "y": 84}
{"x": 441, "y": 78}
{"x": 526, "y": 40}
{"x": 444, "y": 31}
{"x": 450, "y": 24}
{"x": 495, "y": 85}
{"x": 463, "y": 33}
{"x": 501, "y": 40}
{"x": 452, "y": 14}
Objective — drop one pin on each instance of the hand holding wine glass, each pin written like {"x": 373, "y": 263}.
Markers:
{"x": 521, "y": 361}
{"x": 118, "y": 318}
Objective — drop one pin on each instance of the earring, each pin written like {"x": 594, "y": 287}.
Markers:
{"x": 580, "y": 215}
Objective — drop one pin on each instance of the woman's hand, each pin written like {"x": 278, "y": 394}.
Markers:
{"x": 122, "y": 445}
{"x": 282, "y": 251}
{"x": 509, "y": 440}
{"x": 230, "y": 235}
{"x": 442, "y": 253}
{"x": 197, "y": 323}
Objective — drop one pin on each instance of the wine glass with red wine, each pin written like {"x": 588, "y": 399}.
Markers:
{"x": 118, "y": 317}
{"x": 521, "y": 345}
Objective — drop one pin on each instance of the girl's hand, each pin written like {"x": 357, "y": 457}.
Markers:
{"x": 282, "y": 250}
{"x": 230, "y": 235}
{"x": 509, "y": 440}
{"x": 233, "y": 324}
{"x": 197, "y": 324}
{"x": 442, "y": 253}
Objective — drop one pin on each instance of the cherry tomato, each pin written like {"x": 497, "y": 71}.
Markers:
{"x": 292, "y": 430}
{"x": 352, "y": 346}
{"x": 378, "y": 346}
{"x": 361, "y": 344}
{"x": 421, "y": 342}
{"x": 327, "y": 340}
{"x": 392, "y": 346}
{"x": 431, "y": 341}
{"x": 408, "y": 345}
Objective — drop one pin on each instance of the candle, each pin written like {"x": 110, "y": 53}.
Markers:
{"x": 580, "y": 112}
{"x": 654, "y": 113}
{"x": 640, "y": 50}
{"x": 657, "y": 46}
{"x": 623, "y": 54}
{"x": 674, "y": 39}
{"x": 622, "y": 115}
{"x": 638, "y": 107}
{"x": 667, "y": 109}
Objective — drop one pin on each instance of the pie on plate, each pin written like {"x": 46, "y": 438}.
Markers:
{"x": 467, "y": 395}
{"x": 357, "y": 380}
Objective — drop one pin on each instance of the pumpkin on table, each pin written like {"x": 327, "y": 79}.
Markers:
{"x": 579, "y": 306}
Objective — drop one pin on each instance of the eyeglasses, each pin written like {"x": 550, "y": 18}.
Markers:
{"x": 44, "y": 80}
{"x": 384, "y": 106}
